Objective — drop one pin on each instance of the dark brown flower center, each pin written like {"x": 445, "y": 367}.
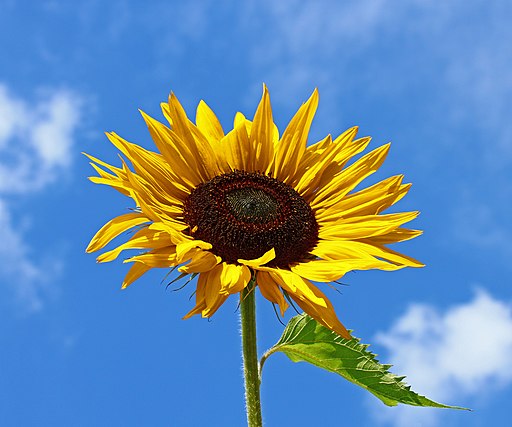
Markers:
{"x": 243, "y": 215}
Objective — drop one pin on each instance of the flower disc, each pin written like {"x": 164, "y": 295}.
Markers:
{"x": 244, "y": 214}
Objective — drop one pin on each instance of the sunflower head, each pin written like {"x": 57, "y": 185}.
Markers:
{"x": 253, "y": 204}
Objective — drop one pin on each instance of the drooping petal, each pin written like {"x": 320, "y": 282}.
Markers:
{"x": 143, "y": 239}
{"x": 157, "y": 258}
{"x": 234, "y": 278}
{"x": 213, "y": 296}
{"x": 134, "y": 273}
{"x": 262, "y": 260}
{"x": 310, "y": 299}
{"x": 201, "y": 262}
{"x": 186, "y": 249}
{"x": 296, "y": 285}
{"x": 114, "y": 228}
{"x": 208, "y": 295}
{"x": 271, "y": 290}
{"x": 200, "y": 296}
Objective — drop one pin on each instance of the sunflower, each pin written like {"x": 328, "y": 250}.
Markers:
{"x": 251, "y": 206}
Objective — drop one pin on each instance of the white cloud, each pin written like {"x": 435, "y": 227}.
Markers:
{"x": 17, "y": 270}
{"x": 35, "y": 139}
{"x": 36, "y": 147}
{"x": 450, "y": 356}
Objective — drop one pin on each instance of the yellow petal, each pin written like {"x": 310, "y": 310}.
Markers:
{"x": 117, "y": 180}
{"x": 184, "y": 249}
{"x": 322, "y": 271}
{"x": 332, "y": 270}
{"x": 365, "y": 226}
{"x": 200, "y": 296}
{"x": 390, "y": 255}
{"x": 344, "y": 139}
{"x": 234, "y": 278}
{"x": 166, "y": 110}
{"x": 349, "y": 178}
{"x": 365, "y": 252}
{"x": 135, "y": 272}
{"x": 296, "y": 285}
{"x": 213, "y": 297}
{"x": 158, "y": 258}
{"x": 151, "y": 166}
{"x": 119, "y": 186}
{"x": 271, "y": 291}
{"x": 208, "y": 296}
{"x": 261, "y": 144}
{"x": 116, "y": 171}
{"x": 199, "y": 146}
{"x": 200, "y": 262}
{"x": 313, "y": 169}
{"x": 181, "y": 161}
{"x": 235, "y": 145}
{"x": 340, "y": 250}
{"x": 395, "y": 236}
{"x": 310, "y": 299}
{"x": 143, "y": 239}
{"x": 292, "y": 146}
{"x": 325, "y": 315}
{"x": 369, "y": 201}
{"x": 348, "y": 150}
{"x": 240, "y": 120}
{"x": 208, "y": 123}
{"x": 114, "y": 228}
{"x": 258, "y": 262}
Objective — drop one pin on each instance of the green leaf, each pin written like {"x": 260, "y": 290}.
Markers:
{"x": 305, "y": 340}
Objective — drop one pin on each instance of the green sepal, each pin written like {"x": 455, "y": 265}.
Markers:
{"x": 306, "y": 340}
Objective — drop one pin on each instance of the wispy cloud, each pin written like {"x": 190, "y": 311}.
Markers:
{"x": 36, "y": 147}
{"x": 450, "y": 356}
{"x": 484, "y": 228}
{"x": 18, "y": 271}
{"x": 346, "y": 43}
{"x": 36, "y": 139}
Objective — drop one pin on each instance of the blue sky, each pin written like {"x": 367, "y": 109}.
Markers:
{"x": 432, "y": 77}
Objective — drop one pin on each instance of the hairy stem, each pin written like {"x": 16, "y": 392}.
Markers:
{"x": 250, "y": 353}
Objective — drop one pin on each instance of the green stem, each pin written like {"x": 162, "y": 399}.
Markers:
{"x": 251, "y": 373}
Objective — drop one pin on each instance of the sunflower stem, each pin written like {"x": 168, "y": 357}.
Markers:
{"x": 250, "y": 353}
